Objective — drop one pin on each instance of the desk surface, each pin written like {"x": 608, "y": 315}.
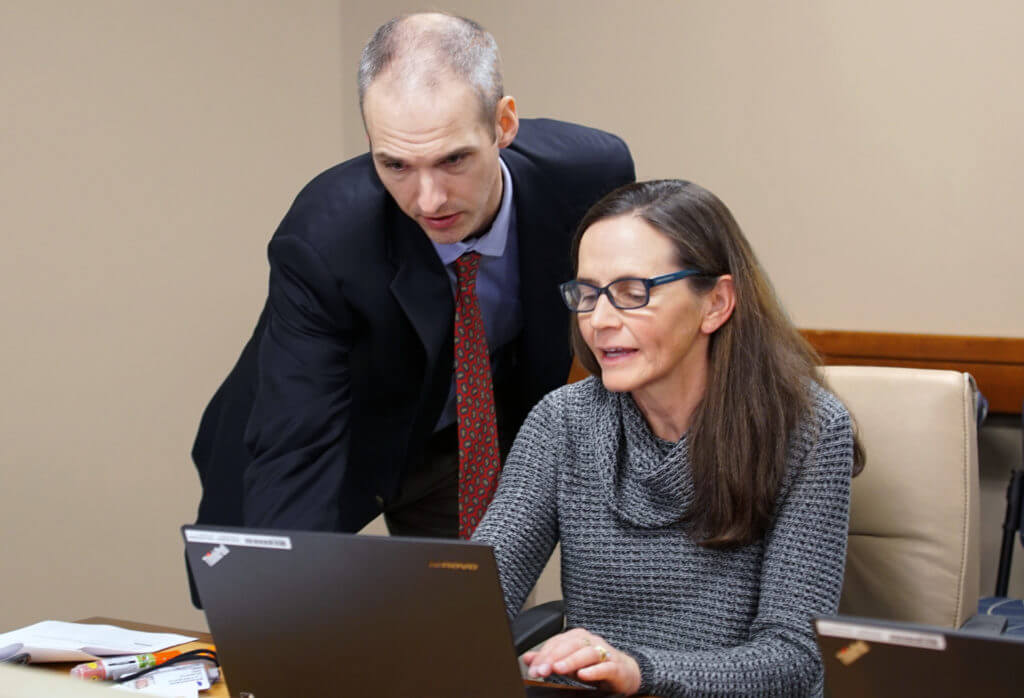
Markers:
{"x": 205, "y": 640}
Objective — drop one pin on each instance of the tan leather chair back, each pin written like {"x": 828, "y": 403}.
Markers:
{"x": 914, "y": 548}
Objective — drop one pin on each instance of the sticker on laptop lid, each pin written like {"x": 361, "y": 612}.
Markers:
{"x": 852, "y": 652}
{"x": 245, "y": 540}
{"x": 215, "y": 555}
{"x": 885, "y": 636}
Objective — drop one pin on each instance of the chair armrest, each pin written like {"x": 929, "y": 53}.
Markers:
{"x": 534, "y": 625}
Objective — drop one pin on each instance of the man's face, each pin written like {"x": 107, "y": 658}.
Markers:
{"x": 436, "y": 156}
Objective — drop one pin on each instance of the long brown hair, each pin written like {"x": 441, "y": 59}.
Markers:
{"x": 760, "y": 366}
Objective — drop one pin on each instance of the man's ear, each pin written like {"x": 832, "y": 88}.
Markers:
{"x": 719, "y": 303}
{"x": 506, "y": 121}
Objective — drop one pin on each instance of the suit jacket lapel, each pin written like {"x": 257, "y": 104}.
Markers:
{"x": 538, "y": 225}
{"x": 421, "y": 287}
{"x": 542, "y": 226}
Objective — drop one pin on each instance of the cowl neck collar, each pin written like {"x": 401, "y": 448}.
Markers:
{"x": 647, "y": 480}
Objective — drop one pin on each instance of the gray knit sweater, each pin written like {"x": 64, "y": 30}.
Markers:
{"x": 587, "y": 471}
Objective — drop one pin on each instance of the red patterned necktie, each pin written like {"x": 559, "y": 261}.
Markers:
{"x": 479, "y": 459}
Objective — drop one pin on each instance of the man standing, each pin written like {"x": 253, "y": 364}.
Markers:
{"x": 413, "y": 316}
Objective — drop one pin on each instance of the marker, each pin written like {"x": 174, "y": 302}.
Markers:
{"x": 116, "y": 667}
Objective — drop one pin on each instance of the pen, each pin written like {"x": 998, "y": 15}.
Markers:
{"x": 115, "y": 667}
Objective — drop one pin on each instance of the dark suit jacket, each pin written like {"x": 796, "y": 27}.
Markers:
{"x": 337, "y": 392}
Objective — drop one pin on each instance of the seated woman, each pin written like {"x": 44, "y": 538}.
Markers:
{"x": 699, "y": 482}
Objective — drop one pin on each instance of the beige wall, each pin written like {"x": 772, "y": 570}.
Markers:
{"x": 870, "y": 150}
{"x": 148, "y": 151}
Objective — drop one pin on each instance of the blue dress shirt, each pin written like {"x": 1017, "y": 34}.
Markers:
{"x": 497, "y": 282}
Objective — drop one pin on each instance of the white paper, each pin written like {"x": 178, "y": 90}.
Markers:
{"x": 57, "y": 641}
{"x": 179, "y": 692}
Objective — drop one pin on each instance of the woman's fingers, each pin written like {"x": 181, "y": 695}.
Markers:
{"x": 620, "y": 673}
{"x": 583, "y": 657}
{"x": 602, "y": 671}
{"x": 586, "y": 656}
{"x": 558, "y": 649}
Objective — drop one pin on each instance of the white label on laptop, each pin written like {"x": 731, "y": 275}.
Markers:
{"x": 247, "y": 540}
{"x": 215, "y": 555}
{"x": 886, "y": 636}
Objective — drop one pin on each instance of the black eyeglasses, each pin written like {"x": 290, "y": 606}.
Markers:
{"x": 625, "y": 294}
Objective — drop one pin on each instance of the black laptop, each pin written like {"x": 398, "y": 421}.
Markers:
{"x": 297, "y": 613}
{"x": 883, "y": 659}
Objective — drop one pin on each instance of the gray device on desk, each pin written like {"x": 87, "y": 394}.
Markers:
{"x": 299, "y": 613}
{"x": 883, "y": 659}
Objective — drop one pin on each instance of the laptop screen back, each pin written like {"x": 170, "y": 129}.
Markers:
{"x": 877, "y": 658}
{"x": 294, "y": 613}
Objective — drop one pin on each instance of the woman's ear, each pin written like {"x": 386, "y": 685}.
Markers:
{"x": 719, "y": 303}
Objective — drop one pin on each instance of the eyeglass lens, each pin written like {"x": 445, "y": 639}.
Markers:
{"x": 624, "y": 294}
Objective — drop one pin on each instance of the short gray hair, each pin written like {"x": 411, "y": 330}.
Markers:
{"x": 418, "y": 46}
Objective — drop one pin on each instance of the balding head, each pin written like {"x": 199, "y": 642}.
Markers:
{"x": 419, "y": 51}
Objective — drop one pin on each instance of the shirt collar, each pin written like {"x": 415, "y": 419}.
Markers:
{"x": 491, "y": 243}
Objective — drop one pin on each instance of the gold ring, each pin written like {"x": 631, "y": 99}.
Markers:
{"x": 602, "y": 653}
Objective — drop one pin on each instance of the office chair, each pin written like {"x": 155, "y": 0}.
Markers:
{"x": 914, "y": 547}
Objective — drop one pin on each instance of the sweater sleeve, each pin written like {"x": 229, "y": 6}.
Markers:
{"x": 521, "y": 524}
{"x": 801, "y": 576}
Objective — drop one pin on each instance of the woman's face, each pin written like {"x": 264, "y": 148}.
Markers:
{"x": 659, "y": 347}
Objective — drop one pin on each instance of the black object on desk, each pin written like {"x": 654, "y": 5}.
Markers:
{"x": 1011, "y": 523}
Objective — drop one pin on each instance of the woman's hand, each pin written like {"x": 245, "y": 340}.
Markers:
{"x": 587, "y": 657}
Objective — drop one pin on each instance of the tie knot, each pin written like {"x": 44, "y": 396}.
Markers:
{"x": 465, "y": 269}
